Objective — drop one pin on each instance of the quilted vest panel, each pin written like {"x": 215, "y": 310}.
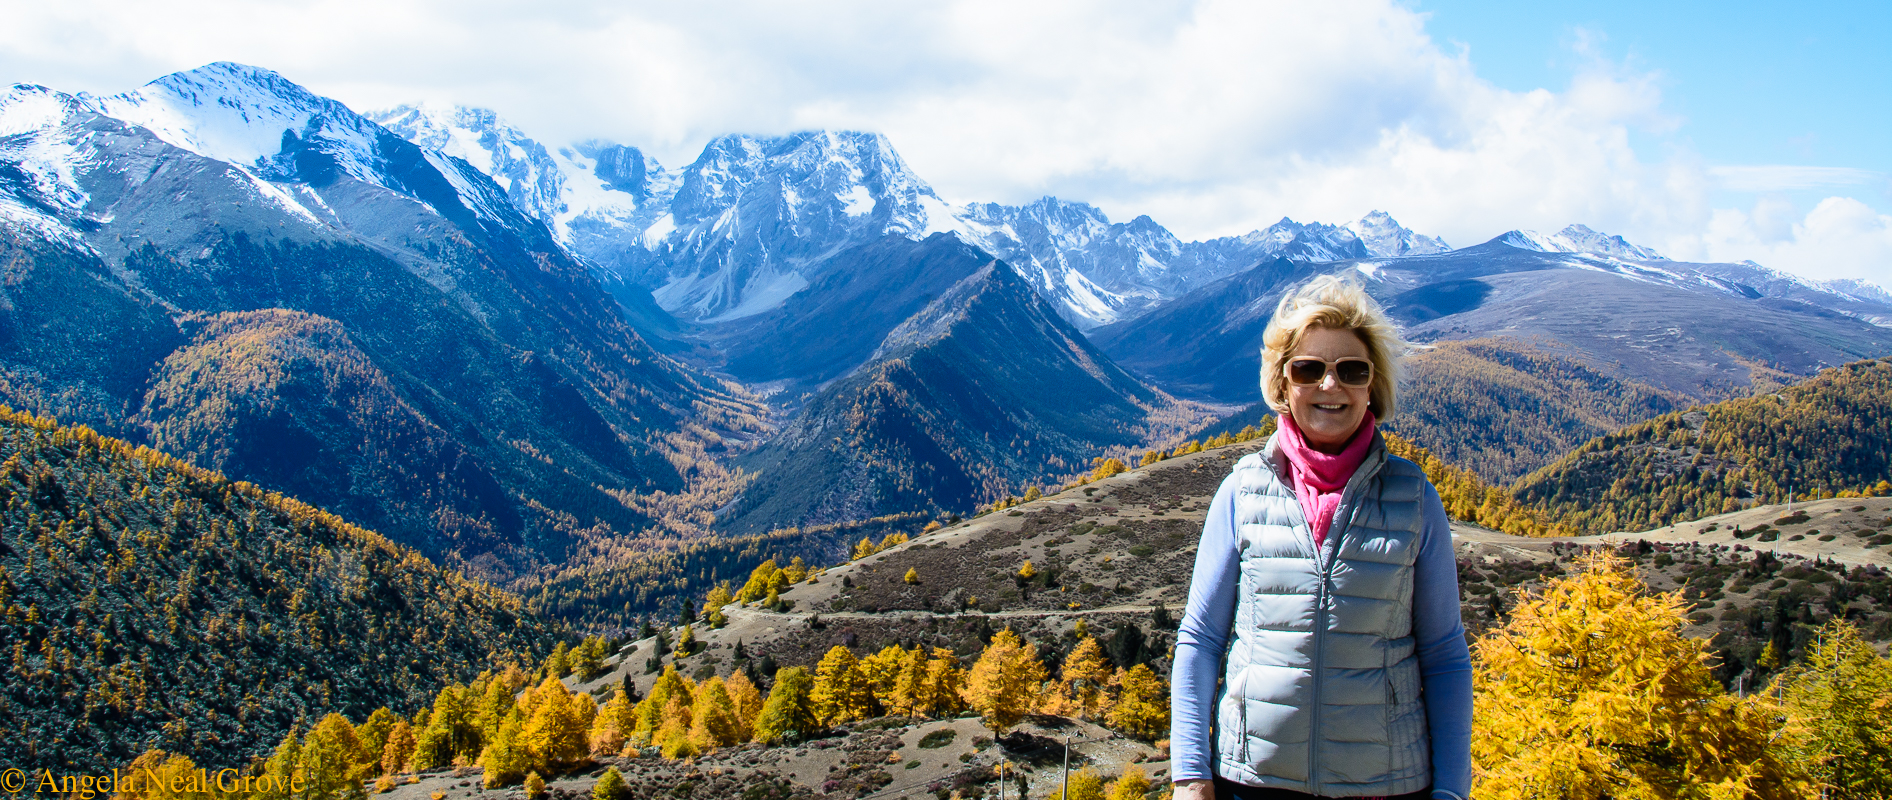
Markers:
{"x": 1320, "y": 692}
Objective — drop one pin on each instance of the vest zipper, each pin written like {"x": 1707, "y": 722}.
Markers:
{"x": 1371, "y": 466}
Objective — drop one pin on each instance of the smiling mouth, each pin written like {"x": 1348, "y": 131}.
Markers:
{"x": 1329, "y": 407}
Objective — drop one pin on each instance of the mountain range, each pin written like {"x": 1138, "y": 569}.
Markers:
{"x": 520, "y": 357}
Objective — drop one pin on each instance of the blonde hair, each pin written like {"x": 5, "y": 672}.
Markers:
{"x": 1338, "y": 304}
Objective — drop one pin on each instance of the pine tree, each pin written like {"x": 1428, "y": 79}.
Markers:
{"x": 1004, "y": 681}
{"x": 651, "y": 709}
{"x": 399, "y": 749}
{"x": 787, "y": 715}
{"x": 1590, "y": 689}
{"x": 840, "y": 692}
{"x": 1840, "y": 696}
{"x": 1131, "y": 785}
{"x": 1085, "y": 677}
{"x": 1142, "y": 707}
{"x": 909, "y": 683}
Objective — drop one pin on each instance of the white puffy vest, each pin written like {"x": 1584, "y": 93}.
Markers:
{"x": 1320, "y": 693}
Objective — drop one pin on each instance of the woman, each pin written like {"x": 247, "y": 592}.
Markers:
{"x": 1325, "y": 595}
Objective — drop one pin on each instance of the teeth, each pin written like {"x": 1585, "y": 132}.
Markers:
{"x": 1328, "y": 408}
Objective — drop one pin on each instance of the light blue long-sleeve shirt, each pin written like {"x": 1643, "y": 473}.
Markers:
{"x": 1445, "y": 667}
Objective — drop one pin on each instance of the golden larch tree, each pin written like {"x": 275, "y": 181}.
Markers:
{"x": 1590, "y": 689}
{"x": 1142, "y": 707}
{"x": 1004, "y": 682}
{"x": 841, "y": 692}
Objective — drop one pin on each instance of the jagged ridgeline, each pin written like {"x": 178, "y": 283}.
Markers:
{"x": 1821, "y": 438}
{"x": 147, "y": 603}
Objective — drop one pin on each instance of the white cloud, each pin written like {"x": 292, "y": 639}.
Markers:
{"x": 1781, "y": 177}
{"x": 1213, "y": 117}
{"x": 1840, "y": 238}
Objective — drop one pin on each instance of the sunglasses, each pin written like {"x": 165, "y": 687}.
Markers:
{"x": 1352, "y": 371}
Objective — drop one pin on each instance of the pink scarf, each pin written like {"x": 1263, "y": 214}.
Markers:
{"x": 1320, "y": 477}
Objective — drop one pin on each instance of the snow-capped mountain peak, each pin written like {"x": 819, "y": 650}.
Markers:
{"x": 1580, "y": 239}
{"x": 248, "y": 116}
{"x": 1386, "y": 238}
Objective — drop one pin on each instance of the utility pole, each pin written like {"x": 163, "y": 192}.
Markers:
{"x": 1065, "y": 793}
{"x": 1001, "y": 778}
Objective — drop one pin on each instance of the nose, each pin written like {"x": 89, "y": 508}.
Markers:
{"x": 1330, "y": 381}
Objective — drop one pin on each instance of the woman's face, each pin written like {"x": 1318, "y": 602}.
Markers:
{"x": 1328, "y": 413}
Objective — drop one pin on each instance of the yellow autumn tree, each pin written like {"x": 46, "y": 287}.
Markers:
{"x": 864, "y": 548}
{"x": 882, "y": 672}
{"x": 649, "y": 713}
{"x": 1142, "y": 707}
{"x": 942, "y": 692}
{"x": 332, "y": 762}
{"x": 713, "y": 719}
{"x": 747, "y": 700}
{"x": 611, "y": 730}
{"x": 559, "y": 725}
{"x": 1840, "y": 696}
{"x": 1591, "y": 690}
{"x": 717, "y": 598}
{"x": 1084, "y": 784}
{"x": 796, "y": 571}
{"x": 506, "y": 758}
{"x": 787, "y": 714}
{"x": 841, "y": 692}
{"x": 1004, "y": 682}
{"x": 1133, "y": 784}
{"x": 1085, "y": 678}
{"x": 399, "y": 749}
{"x": 757, "y": 586}
{"x": 673, "y": 736}
{"x": 1105, "y": 467}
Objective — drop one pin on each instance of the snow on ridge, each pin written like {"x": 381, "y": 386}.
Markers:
{"x": 1579, "y": 239}
{"x": 244, "y": 115}
{"x": 35, "y": 118}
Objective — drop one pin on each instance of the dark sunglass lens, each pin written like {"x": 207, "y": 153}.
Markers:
{"x": 1354, "y": 373}
{"x": 1306, "y": 370}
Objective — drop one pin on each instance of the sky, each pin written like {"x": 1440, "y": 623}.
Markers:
{"x": 1725, "y": 132}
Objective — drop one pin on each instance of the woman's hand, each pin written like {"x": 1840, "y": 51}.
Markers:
{"x": 1195, "y": 790}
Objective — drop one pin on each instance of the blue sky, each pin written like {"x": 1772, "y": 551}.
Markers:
{"x": 1717, "y": 132}
{"x": 1805, "y": 83}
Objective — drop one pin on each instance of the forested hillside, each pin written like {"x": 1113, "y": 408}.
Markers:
{"x": 147, "y": 603}
{"x": 1504, "y": 407}
{"x": 1828, "y": 435}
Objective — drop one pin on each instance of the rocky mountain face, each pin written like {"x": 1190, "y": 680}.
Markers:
{"x": 753, "y": 221}
{"x": 985, "y": 390}
{"x": 229, "y": 266}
